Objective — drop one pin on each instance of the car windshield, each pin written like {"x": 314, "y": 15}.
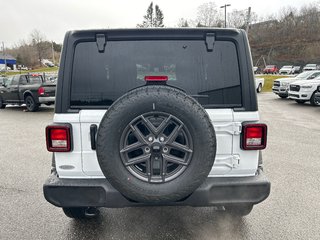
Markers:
{"x": 311, "y": 65}
{"x": 303, "y": 75}
{"x": 287, "y": 67}
{"x": 212, "y": 77}
{"x": 270, "y": 66}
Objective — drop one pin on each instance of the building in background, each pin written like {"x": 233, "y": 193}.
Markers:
{"x": 9, "y": 60}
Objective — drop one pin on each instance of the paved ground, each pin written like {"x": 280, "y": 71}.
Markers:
{"x": 291, "y": 212}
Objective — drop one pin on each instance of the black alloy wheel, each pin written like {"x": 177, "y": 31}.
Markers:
{"x": 156, "y": 147}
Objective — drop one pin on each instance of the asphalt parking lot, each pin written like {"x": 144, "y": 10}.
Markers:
{"x": 291, "y": 162}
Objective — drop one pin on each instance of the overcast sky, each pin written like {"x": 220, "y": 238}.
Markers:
{"x": 54, "y": 17}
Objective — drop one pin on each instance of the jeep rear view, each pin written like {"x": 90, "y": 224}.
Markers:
{"x": 156, "y": 117}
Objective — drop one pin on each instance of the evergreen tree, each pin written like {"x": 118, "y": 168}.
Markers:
{"x": 153, "y": 18}
{"x": 158, "y": 21}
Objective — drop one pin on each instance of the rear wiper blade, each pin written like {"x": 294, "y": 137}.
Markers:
{"x": 199, "y": 96}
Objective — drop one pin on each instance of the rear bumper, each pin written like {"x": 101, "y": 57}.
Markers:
{"x": 100, "y": 193}
{"x": 47, "y": 99}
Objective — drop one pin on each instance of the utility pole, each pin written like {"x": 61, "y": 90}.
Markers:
{"x": 248, "y": 20}
{"x": 5, "y": 58}
{"x": 52, "y": 53}
{"x": 225, "y": 14}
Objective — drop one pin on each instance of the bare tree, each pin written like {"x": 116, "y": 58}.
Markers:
{"x": 208, "y": 15}
{"x": 239, "y": 18}
{"x": 38, "y": 41}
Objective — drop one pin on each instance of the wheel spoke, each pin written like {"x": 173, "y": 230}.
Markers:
{"x": 132, "y": 147}
{"x": 140, "y": 159}
{"x": 174, "y": 134}
{"x": 180, "y": 147}
{"x": 149, "y": 125}
{"x": 138, "y": 134}
{"x": 152, "y": 128}
{"x": 170, "y": 158}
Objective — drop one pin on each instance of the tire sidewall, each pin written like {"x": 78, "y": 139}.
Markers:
{"x": 34, "y": 106}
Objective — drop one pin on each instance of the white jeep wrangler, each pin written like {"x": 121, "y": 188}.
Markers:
{"x": 156, "y": 117}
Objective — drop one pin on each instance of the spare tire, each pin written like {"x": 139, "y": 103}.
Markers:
{"x": 155, "y": 144}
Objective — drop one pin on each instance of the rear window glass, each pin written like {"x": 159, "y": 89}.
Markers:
{"x": 35, "y": 80}
{"x": 212, "y": 78}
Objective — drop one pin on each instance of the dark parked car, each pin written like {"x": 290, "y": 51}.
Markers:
{"x": 29, "y": 89}
{"x": 273, "y": 69}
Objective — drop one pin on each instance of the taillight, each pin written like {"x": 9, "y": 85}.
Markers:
{"x": 58, "y": 138}
{"x": 156, "y": 78}
{"x": 41, "y": 91}
{"x": 254, "y": 136}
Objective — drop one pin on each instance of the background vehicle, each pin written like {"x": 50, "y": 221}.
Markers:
{"x": 304, "y": 90}
{"x": 310, "y": 67}
{"x": 281, "y": 85}
{"x": 259, "y": 84}
{"x": 297, "y": 69}
{"x": 2, "y": 80}
{"x": 256, "y": 70}
{"x": 22, "y": 67}
{"x": 138, "y": 121}
{"x": 27, "y": 89}
{"x": 3, "y": 69}
{"x": 273, "y": 69}
{"x": 317, "y": 96}
{"x": 286, "y": 70}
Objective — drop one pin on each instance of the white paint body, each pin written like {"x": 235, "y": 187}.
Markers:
{"x": 231, "y": 160}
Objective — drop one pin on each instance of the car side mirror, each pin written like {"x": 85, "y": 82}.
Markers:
{"x": 311, "y": 77}
{"x": 318, "y": 88}
{"x": 3, "y": 85}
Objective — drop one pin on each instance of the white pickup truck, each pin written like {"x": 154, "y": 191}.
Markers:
{"x": 259, "y": 84}
{"x": 304, "y": 91}
{"x": 281, "y": 85}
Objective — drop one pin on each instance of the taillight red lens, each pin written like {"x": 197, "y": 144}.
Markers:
{"x": 156, "y": 78}
{"x": 58, "y": 138}
{"x": 254, "y": 137}
{"x": 41, "y": 91}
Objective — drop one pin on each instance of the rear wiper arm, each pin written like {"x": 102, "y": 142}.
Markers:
{"x": 199, "y": 96}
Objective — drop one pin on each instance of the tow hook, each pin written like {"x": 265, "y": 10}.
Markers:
{"x": 92, "y": 212}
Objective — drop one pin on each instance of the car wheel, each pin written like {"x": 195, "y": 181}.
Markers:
{"x": 32, "y": 106}
{"x": 313, "y": 100}
{"x": 300, "y": 101}
{"x": 2, "y": 105}
{"x": 81, "y": 212}
{"x": 163, "y": 144}
{"x": 259, "y": 89}
{"x": 239, "y": 209}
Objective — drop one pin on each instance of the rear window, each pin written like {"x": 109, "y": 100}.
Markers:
{"x": 35, "y": 79}
{"x": 212, "y": 78}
